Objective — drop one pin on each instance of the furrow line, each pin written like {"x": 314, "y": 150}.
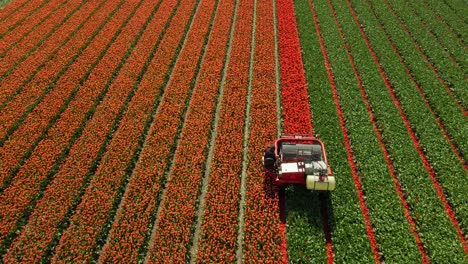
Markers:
{"x": 417, "y": 146}
{"x": 46, "y": 172}
{"x": 417, "y": 45}
{"x": 20, "y": 16}
{"x": 386, "y": 154}
{"x": 21, "y": 142}
{"x": 10, "y": 41}
{"x": 213, "y": 132}
{"x": 350, "y": 156}
{"x": 423, "y": 94}
{"x": 89, "y": 226}
{"x": 245, "y": 143}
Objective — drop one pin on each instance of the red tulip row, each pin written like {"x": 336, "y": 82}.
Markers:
{"x": 11, "y": 39}
{"x": 11, "y": 8}
{"x": 264, "y": 233}
{"x": 133, "y": 225}
{"x": 19, "y": 16}
{"x": 19, "y": 62}
{"x": 218, "y": 235}
{"x": 293, "y": 83}
{"x": 69, "y": 127}
{"x": 26, "y": 136}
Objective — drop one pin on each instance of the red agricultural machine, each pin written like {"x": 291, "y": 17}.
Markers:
{"x": 299, "y": 159}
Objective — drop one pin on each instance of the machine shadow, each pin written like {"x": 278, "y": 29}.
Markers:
{"x": 295, "y": 202}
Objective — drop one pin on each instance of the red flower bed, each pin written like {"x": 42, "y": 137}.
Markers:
{"x": 296, "y": 111}
{"x": 264, "y": 233}
{"x": 58, "y": 196}
{"x": 138, "y": 206}
{"x": 79, "y": 241}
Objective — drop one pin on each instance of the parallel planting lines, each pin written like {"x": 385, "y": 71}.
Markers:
{"x": 454, "y": 191}
{"x": 264, "y": 235}
{"x": 118, "y": 161}
{"x": 400, "y": 191}
{"x": 21, "y": 15}
{"x": 46, "y": 169}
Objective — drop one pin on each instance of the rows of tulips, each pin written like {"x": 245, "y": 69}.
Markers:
{"x": 218, "y": 235}
{"x": 39, "y": 117}
{"x": 377, "y": 174}
{"x": 90, "y": 225}
{"x": 21, "y": 14}
{"x": 432, "y": 222}
{"x": 9, "y": 38}
{"x": 179, "y": 205}
{"x": 37, "y": 163}
{"x": 7, "y": 11}
{"x": 23, "y": 59}
{"x": 264, "y": 233}
{"x": 444, "y": 168}
{"x": 442, "y": 103}
{"x": 66, "y": 131}
{"x": 131, "y": 232}
{"x": 448, "y": 73}
{"x": 440, "y": 32}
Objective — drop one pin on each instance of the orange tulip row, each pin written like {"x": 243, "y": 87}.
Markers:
{"x": 26, "y": 61}
{"x": 91, "y": 223}
{"x": 66, "y": 184}
{"x": 10, "y": 10}
{"x": 31, "y": 111}
{"x": 12, "y": 34}
{"x": 264, "y": 239}
{"x": 17, "y": 12}
{"x": 178, "y": 206}
{"x": 218, "y": 238}
{"x": 133, "y": 227}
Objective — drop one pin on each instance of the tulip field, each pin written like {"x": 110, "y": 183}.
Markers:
{"x": 132, "y": 131}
